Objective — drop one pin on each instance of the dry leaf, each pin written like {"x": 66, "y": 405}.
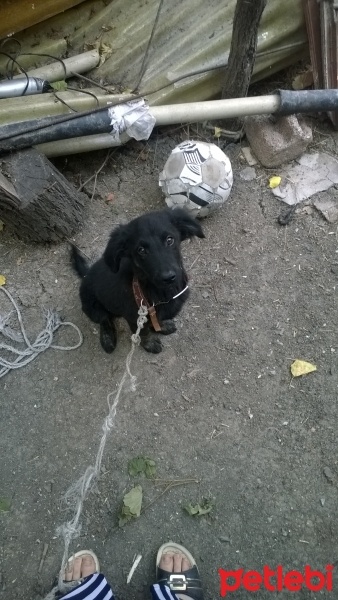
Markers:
{"x": 131, "y": 507}
{"x": 303, "y": 80}
{"x": 274, "y": 182}
{"x": 59, "y": 86}
{"x": 202, "y": 508}
{"x": 142, "y": 466}
{"x": 105, "y": 51}
{"x": 301, "y": 367}
{"x": 2, "y": 280}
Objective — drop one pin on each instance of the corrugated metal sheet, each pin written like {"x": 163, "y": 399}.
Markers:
{"x": 191, "y": 35}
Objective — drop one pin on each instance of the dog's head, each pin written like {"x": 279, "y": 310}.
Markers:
{"x": 152, "y": 243}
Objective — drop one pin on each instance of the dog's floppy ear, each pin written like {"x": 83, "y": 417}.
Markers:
{"x": 186, "y": 225}
{"x": 117, "y": 247}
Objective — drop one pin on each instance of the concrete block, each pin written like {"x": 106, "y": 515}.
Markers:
{"x": 275, "y": 141}
{"x": 328, "y": 207}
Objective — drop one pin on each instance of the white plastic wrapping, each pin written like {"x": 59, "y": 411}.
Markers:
{"x": 132, "y": 118}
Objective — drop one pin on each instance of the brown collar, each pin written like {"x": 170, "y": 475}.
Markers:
{"x": 141, "y": 299}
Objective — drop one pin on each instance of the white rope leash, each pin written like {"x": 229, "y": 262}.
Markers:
{"x": 78, "y": 491}
{"x": 42, "y": 342}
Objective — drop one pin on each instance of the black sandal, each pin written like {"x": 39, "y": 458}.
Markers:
{"x": 188, "y": 582}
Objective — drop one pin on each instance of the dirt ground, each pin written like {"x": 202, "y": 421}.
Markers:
{"x": 218, "y": 405}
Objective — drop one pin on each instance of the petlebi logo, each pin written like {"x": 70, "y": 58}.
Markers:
{"x": 275, "y": 580}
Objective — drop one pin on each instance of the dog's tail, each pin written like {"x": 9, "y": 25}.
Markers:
{"x": 79, "y": 262}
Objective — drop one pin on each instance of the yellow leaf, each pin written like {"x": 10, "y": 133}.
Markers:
{"x": 217, "y": 132}
{"x": 301, "y": 367}
{"x": 2, "y": 280}
{"x": 274, "y": 181}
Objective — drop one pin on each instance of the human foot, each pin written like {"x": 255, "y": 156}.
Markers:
{"x": 80, "y": 565}
{"x": 173, "y": 560}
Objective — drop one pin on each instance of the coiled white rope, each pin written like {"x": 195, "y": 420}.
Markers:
{"x": 78, "y": 491}
{"x": 42, "y": 342}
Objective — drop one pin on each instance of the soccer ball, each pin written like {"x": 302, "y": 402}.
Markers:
{"x": 197, "y": 176}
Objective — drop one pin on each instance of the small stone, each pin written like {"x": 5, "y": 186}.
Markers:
{"x": 328, "y": 474}
{"x": 328, "y": 208}
{"x": 250, "y": 159}
{"x": 284, "y": 533}
{"x": 205, "y": 294}
{"x": 248, "y": 174}
{"x": 225, "y": 539}
{"x": 322, "y": 501}
{"x": 270, "y": 519}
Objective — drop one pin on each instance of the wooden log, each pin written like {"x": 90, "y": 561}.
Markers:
{"x": 242, "y": 52}
{"x": 36, "y": 200}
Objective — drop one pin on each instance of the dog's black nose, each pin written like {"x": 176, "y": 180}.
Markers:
{"x": 168, "y": 277}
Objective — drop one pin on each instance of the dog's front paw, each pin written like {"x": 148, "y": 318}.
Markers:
{"x": 168, "y": 327}
{"x": 152, "y": 344}
{"x": 108, "y": 337}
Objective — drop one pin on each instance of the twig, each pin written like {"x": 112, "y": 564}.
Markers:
{"x": 106, "y": 89}
{"x": 175, "y": 481}
{"x": 195, "y": 261}
{"x": 95, "y": 175}
{"x": 77, "y": 247}
{"x": 185, "y": 397}
{"x": 134, "y": 567}
{"x": 155, "y": 151}
{"x": 44, "y": 553}
{"x": 167, "y": 488}
{"x": 231, "y": 262}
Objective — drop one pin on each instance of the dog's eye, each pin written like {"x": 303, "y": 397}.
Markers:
{"x": 141, "y": 250}
{"x": 169, "y": 241}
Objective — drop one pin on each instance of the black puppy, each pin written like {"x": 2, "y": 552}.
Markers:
{"x": 141, "y": 264}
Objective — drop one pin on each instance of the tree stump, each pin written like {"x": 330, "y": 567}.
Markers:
{"x": 242, "y": 54}
{"x": 36, "y": 200}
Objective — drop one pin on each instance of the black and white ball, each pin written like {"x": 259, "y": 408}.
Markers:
{"x": 198, "y": 177}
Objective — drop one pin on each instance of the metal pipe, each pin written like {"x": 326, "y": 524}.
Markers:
{"x": 10, "y": 88}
